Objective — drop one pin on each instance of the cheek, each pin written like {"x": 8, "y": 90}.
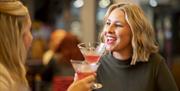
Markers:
{"x": 123, "y": 40}
{"x": 125, "y": 37}
{"x": 27, "y": 38}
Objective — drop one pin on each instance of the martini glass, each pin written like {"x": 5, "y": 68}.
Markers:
{"x": 84, "y": 69}
{"x": 92, "y": 51}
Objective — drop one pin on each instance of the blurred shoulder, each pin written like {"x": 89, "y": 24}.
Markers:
{"x": 5, "y": 78}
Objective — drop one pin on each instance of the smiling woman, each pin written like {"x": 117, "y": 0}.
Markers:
{"x": 133, "y": 62}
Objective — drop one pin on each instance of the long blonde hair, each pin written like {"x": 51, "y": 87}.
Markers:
{"x": 13, "y": 16}
{"x": 143, "y": 39}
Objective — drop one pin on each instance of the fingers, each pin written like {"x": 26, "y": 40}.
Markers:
{"x": 84, "y": 84}
{"x": 88, "y": 83}
{"x": 89, "y": 79}
{"x": 89, "y": 86}
{"x": 75, "y": 77}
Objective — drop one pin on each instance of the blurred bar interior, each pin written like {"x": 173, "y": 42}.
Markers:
{"x": 84, "y": 19}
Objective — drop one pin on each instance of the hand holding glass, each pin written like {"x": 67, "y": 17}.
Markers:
{"x": 84, "y": 69}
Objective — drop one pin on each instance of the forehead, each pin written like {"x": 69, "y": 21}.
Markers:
{"x": 117, "y": 15}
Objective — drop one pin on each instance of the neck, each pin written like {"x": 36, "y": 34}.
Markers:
{"x": 122, "y": 55}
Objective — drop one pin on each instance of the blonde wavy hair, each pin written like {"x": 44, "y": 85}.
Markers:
{"x": 143, "y": 36}
{"x": 13, "y": 17}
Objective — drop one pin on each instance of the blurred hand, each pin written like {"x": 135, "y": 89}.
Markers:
{"x": 76, "y": 76}
{"x": 83, "y": 84}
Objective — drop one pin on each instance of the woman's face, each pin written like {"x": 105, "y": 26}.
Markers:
{"x": 117, "y": 34}
{"x": 27, "y": 36}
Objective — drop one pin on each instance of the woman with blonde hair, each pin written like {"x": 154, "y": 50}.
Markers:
{"x": 133, "y": 62}
{"x": 15, "y": 40}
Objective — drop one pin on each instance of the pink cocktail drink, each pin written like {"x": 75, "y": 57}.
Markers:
{"x": 81, "y": 75}
{"x": 92, "y": 58}
{"x": 92, "y": 51}
{"x": 84, "y": 69}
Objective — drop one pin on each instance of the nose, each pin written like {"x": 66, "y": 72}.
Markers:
{"x": 110, "y": 29}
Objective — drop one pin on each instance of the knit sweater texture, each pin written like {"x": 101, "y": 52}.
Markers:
{"x": 119, "y": 75}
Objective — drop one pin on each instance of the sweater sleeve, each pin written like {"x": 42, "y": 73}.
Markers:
{"x": 165, "y": 80}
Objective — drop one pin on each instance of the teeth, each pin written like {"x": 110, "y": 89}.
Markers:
{"x": 111, "y": 38}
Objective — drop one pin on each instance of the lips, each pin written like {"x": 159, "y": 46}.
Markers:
{"x": 110, "y": 40}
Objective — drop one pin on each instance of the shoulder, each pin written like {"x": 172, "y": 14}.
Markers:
{"x": 156, "y": 58}
{"x": 158, "y": 62}
{"x": 154, "y": 62}
{"x": 5, "y": 78}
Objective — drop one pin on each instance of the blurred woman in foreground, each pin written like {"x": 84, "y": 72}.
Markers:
{"x": 15, "y": 40}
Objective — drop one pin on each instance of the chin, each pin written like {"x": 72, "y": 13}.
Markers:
{"x": 109, "y": 48}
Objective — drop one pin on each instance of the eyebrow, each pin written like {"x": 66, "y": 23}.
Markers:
{"x": 122, "y": 23}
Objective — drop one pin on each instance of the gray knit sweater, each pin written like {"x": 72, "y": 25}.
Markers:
{"x": 118, "y": 75}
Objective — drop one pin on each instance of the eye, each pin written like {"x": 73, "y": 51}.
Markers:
{"x": 108, "y": 23}
{"x": 118, "y": 25}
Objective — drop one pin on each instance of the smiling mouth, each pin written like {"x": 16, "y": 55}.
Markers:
{"x": 110, "y": 40}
